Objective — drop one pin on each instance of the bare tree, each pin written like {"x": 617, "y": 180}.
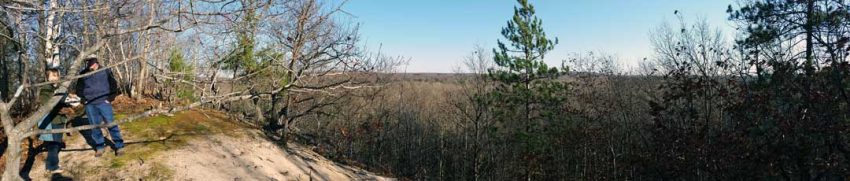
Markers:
{"x": 312, "y": 61}
{"x": 72, "y": 31}
{"x": 472, "y": 108}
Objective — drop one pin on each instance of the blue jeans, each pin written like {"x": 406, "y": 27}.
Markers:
{"x": 99, "y": 113}
{"x": 52, "y": 161}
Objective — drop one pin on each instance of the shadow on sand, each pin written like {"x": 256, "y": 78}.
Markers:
{"x": 33, "y": 151}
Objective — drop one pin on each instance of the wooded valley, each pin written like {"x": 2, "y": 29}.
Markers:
{"x": 770, "y": 103}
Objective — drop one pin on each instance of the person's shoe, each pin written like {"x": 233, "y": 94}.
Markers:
{"x": 119, "y": 152}
{"x": 57, "y": 171}
{"x": 98, "y": 152}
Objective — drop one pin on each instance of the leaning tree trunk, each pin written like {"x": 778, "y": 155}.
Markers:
{"x": 13, "y": 156}
{"x": 13, "y": 148}
{"x": 14, "y": 135}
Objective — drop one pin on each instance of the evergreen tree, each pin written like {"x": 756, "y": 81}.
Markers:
{"x": 527, "y": 90}
{"x": 183, "y": 72}
{"x": 242, "y": 56}
{"x": 796, "y": 103}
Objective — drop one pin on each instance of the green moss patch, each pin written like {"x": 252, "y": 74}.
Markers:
{"x": 148, "y": 137}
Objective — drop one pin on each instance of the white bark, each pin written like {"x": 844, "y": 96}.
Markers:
{"x": 52, "y": 30}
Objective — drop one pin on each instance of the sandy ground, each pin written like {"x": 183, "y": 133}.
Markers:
{"x": 200, "y": 154}
{"x": 221, "y": 157}
{"x": 206, "y": 158}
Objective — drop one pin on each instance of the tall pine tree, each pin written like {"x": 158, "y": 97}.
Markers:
{"x": 527, "y": 90}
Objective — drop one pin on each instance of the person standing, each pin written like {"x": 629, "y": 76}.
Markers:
{"x": 97, "y": 91}
{"x": 55, "y": 119}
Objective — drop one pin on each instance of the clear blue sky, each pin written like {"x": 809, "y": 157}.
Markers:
{"x": 437, "y": 34}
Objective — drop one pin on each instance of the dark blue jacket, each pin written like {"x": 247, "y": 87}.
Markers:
{"x": 98, "y": 87}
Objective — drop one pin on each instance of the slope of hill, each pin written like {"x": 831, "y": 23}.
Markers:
{"x": 192, "y": 145}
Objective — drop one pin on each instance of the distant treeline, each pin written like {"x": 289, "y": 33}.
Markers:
{"x": 770, "y": 104}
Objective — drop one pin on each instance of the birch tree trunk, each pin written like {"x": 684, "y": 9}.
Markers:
{"x": 51, "y": 50}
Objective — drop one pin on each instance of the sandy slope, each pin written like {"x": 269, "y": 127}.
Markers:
{"x": 197, "y": 152}
{"x": 250, "y": 158}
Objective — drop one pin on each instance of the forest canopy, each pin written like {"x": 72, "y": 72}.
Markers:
{"x": 769, "y": 103}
